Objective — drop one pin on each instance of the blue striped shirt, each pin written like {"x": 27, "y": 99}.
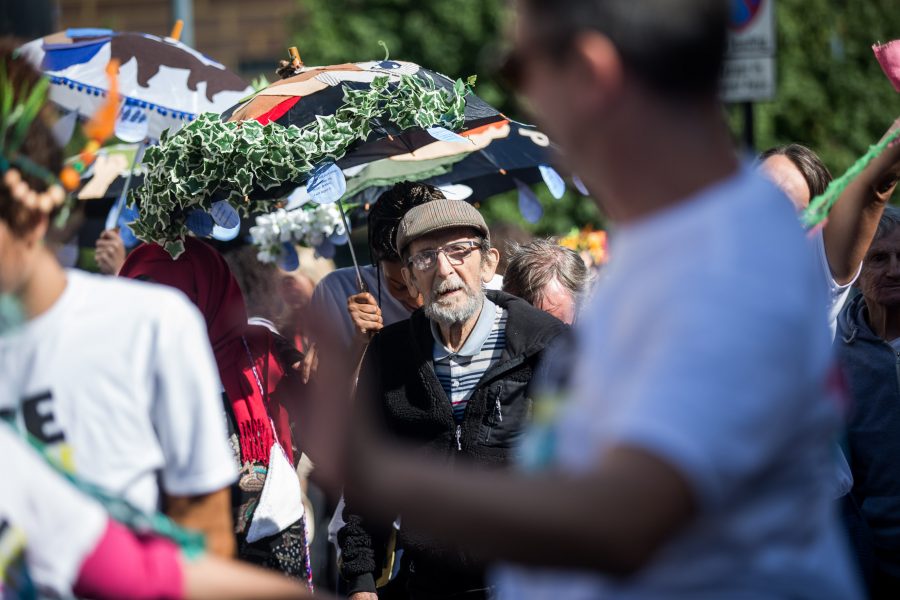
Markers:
{"x": 459, "y": 372}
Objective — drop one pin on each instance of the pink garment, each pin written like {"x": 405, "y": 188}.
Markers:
{"x": 125, "y": 566}
{"x": 888, "y": 56}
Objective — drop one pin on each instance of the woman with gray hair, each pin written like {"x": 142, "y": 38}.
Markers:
{"x": 550, "y": 277}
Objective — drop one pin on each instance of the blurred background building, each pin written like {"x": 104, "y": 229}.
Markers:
{"x": 247, "y": 37}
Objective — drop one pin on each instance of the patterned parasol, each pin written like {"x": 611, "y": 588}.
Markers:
{"x": 164, "y": 83}
{"x": 320, "y": 91}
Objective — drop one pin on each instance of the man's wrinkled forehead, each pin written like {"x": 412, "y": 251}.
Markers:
{"x": 437, "y": 239}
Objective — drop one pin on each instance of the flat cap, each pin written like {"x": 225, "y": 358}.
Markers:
{"x": 438, "y": 215}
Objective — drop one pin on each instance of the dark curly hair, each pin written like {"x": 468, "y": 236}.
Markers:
{"x": 39, "y": 145}
{"x": 388, "y": 211}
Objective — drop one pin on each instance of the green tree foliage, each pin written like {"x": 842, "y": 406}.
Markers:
{"x": 455, "y": 37}
{"x": 832, "y": 95}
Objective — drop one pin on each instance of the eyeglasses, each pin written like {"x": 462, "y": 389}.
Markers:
{"x": 456, "y": 253}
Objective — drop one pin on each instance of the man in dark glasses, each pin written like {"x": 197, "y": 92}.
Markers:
{"x": 693, "y": 456}
{"x": 453, "y": 380}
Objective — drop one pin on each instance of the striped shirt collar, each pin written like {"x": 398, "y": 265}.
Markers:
{"x": 478, "y": 336}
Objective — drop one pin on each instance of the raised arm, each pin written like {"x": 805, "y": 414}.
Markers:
{"x": 854, "y": 218}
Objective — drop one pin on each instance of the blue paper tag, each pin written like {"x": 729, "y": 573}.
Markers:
{"x": 224, "y": 234}
{"x": 128, "y": 215}
{"x": 326, "y": 249}
{"x": 529, "y": 205}
{"x": 554, "y": 181}
{"x": 200, "y": 222}
{"x": 327, "y": 184}
{"x": 225, "y": 215}
{"x": 579, "y": 185}
{"x": 445, "y": 135}
{"x": 289, "y": 260}
{"x": 338, "y": 239}
{"x": 128, "y": 238}
{"x": 456, "y": 191}
{"x": 298, "y": 198}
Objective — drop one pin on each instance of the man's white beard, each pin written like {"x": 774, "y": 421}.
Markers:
{"x": 448, "y": 313}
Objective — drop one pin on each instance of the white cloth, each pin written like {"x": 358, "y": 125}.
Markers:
{"x": 706, "y": 346}
{"x": 118, "y": 378}
{"x": 837, "y": 293}
{"x": 329, "y": 301}
{"x": 42, "y": 514}
{"x": 281, "y": 502}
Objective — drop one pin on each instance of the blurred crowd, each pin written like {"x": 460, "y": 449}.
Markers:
{"x": 710, "y": 411}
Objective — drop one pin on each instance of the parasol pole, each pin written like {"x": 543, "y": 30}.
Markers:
{"x": 113, "y": 218}
{"x": 359, "y": 280}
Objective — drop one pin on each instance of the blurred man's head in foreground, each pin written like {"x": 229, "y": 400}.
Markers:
{"x": 581, "y": 62}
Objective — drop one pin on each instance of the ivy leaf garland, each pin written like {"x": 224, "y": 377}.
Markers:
{"x": 210, "y": 160}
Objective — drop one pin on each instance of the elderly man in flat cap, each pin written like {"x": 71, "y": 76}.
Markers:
{"x": 452, "y": 381}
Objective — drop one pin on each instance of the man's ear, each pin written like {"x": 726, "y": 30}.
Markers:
{"x": 489, "y": 267}
{"x": 410, "y": 282}
{"x": 599, "y": 68}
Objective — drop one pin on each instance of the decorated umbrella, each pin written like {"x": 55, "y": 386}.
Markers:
{"x": 163, "y": 83}
{"x": 318, "y": 93}
{"x": 214, "y": 171}
{"x": 499, "y": 157}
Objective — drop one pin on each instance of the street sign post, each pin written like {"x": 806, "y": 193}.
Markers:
{"x": 750, "y": 59}
{"x": 749, "y": 70}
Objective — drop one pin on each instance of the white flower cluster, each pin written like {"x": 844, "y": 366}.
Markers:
{"x": 309, "y": 226}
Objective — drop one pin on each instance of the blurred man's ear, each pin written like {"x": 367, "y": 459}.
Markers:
{"x": 600, "y": 70}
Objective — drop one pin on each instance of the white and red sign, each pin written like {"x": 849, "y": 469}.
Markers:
{"x": 749, "y": 74}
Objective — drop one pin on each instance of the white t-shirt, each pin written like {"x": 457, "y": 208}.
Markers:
{"x": 706, "y": 345}
{"x": 118, "y": 380}
{"x": 329, "y": 299}
{"x": 837, "y": 293}
{"x": 46, "y": 525}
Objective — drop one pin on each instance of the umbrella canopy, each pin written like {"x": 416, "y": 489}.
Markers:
{"x": 318, "y": 91}
{"x": 163, "y": 83}
{"x": 216, "y": 170}
{"x": 494, "y": 159}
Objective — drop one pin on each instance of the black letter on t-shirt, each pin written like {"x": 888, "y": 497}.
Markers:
{"x": 39, "y": 420}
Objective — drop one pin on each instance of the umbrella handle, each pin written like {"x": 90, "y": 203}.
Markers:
{"x": 112, "y": 219}
{"x": 359, "y": 278}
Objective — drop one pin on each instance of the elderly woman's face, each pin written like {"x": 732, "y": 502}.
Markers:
{"x": 879, "y": 280}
